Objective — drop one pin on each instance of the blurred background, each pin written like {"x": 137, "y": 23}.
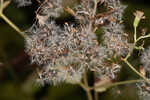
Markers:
{"x": 17, "y": 77}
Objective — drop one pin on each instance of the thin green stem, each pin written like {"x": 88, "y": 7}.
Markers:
{"x": 96, "y": 95}
{"x": 11, "y": 24}
{"x": 1, "y": 6}
{"x": 135, "y": 70}
{"x": 89, "y": 95}
{"x": 125, "y": 82}
{"x": 143, "y": 37}
{"x": 87, "y": 87}
{"x": 120, "y": 83}
{"x": 127, "y": 56}
{"x": 83, "y": 86}
{"x": 139, "y": 48}
{"x": 85, "y": 79}
{"x": 134, "y": 34}
{"x": 126, "y": 61}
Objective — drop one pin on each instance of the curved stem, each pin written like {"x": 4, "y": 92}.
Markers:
{"x": 135, "y": 70}
{"x": 134, "y": 34}
{"x": 1, "y": 6}
{"x": 119, "y": 83}
{"x": 125, "y": 82}
{"x": 11, "y": 24}
{"x": 142, "y": 37}
{"x": 128, "y": 55}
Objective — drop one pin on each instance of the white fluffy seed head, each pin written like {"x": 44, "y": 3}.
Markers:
{"x": 66, "y": 51}
{"x": 144, "y": 87}
{"x": 145, "y": 59}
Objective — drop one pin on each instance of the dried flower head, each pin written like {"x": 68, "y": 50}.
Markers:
{"x": 66, "y": 51}
{"x": 145, "y": 59}
{"x": 67, "y": 48}
{"x": 144, "y": 87}
{"x": 143, "y": 90}
{"x": 109, "y": 70}
{"x": 114, "y": 37}
{"x": 116, "y": 42}
{"x": 118, "y": 9}
{"x": 85, "y": 11}
{"x": 50, "y": 9}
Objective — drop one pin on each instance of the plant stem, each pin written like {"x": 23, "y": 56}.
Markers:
{"x": 95, "y": 8}
{"x": 135, "y": 70}
{"x": 128, "y": 55}
{"x": 83, "y": 86}
{"x": 120, "y": 83}
{"x": 125, "y": 82}
{"x": 96, "y": 95}
{"x": 134, "y": 34}
{"x": 89, "y": 95}
{"x": 1, "y": 6}
{"x": 11, "y": 24}
{"x": 142, "y": 37}
{"x": 86, "y": 87}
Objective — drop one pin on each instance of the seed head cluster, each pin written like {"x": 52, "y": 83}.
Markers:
{"x": 50, "y": 9}
{"x": 143, "y": 90}
{"x": 109, "y": 70}
{"x": 117, "y": 43}
{"x": 66, "y": 51}
{"x": 145, "y": 59}
{"x": 144, "y": 87}
{"x": 114, "y": 36}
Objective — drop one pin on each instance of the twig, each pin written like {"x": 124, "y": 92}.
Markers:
{"x": 143, "y": 37}
{"x": 135, "y": 24}
{"x": 1, "y": 6}
{"x": 120, "y": 83}
{"x": 135, "y": 70}
{"x": 87, "y": 87}
{"x": 11, "y": 24}
{"x": 134, "y": 34}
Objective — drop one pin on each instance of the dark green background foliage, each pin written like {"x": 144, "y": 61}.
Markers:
{"x": 17, "y": 79}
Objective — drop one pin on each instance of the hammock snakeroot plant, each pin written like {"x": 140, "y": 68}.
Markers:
{"x": 65, "y": 51}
